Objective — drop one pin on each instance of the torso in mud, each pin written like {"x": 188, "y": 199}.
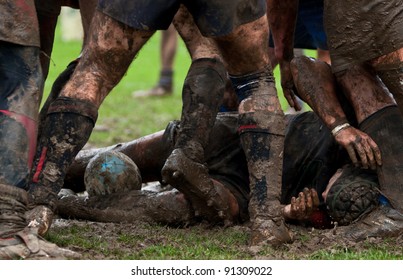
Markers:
{"x": 311, "y": 156}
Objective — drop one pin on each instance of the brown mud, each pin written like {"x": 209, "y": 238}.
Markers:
{"x": 308, "y": 243}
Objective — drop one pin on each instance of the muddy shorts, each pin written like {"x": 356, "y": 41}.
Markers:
{"x": 360, "y": 30}
{"x": 19, "y": 23}
{"x": 309, "y": 28}
{"x": 311, "y": 156}
{"x": 214, "y": 18}
{"x": 53, "y": 7}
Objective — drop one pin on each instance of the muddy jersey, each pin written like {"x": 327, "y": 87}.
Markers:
{"x": 360, "y": 30}
{"x": 311, "y": 156}
{"x": 213, "y": 17}
{"x": 19, "y": 23}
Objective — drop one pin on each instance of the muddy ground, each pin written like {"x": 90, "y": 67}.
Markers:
{"x": 100, "y": 241}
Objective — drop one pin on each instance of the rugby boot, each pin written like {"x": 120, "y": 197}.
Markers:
{"x": 69, "y": 124}
{"x": 261, "y": 130}
{"x": 385, "y": 127}
{"x": 17, "y": 240}
{"x": 383, "y": 222}
{"x": 202, "y": 95}
{"x": 354, "y": 194}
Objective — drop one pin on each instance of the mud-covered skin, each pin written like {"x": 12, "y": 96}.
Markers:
{"x": 197, "y": 45}
{"x": 48, "y": 13}
{"x": 168, "y": 207}
{"x": 322, "y": 96}
{"x": 390, "y": 69}
{"x": 111, "y": 49}
{"x": 360, "y": 31}
{"x": 375, "y": 106}
{"x": 282, "y": 19}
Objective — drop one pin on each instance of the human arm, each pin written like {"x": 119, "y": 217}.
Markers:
{"x": 282, "y": 16}
{"x": 316, "y": 85}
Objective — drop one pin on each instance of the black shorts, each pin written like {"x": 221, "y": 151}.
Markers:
{"x": 214, "y": 18}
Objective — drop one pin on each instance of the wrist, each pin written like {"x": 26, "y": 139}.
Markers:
{"x": 339, "y": 128}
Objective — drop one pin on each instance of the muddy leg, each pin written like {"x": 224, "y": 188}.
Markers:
{"x": 167, "y": 207}
{"x": 393, "y": 79}
{"x": 70, "y": 122}
{"x": 261, "y": 128}
{"x": 379, "y": 117}
{"x": 202, "y": 94}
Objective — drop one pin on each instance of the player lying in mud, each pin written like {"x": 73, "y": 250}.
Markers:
{"x": 329, "y": 172}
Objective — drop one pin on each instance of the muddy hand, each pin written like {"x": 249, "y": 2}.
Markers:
{"x": 193, "y": 180}
{"x": 302, "y": 207}
{"x": 287, "y": 83}
{"x": 359, "y": 143}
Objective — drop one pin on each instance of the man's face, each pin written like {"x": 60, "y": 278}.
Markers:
{"x": 331, "y": 182}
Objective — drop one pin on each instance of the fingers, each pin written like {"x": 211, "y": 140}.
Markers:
{"x": 352, "y": 155}
{"x": 301, "y": 207}
{"x": 368, "y": 152}
{"x": 291, "y": 98}
{"x": 362, "y": 150}
{"x": 376, "y": 151}
{"x": 315, "y": 198}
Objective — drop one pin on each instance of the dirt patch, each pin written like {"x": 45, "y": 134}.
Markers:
{"x": 103, "y": 241}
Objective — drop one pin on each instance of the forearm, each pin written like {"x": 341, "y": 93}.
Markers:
{"x": 316, "y": 85}
{"x": 282, "y": 15}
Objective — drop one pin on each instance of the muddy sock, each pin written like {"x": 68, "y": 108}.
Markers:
{"x": 68, "y": 127}
{"x": 57, "y": 86}
{"x": 165, "y": 81}
{"x": 263, "y": 147}
{"x": 261, "y": 129}
{"x": 202, "y": 94}
{"x": 385, "y": 127}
